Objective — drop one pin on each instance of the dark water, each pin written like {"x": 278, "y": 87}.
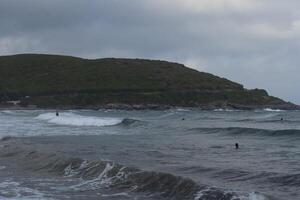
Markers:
{"x": 175, "y": 154}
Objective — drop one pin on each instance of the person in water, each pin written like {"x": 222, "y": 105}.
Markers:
{"x": 57, "y": 114}
{"x": 236, "y": 145}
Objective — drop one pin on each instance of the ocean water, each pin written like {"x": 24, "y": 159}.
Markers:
{"x": 150, "y": 155}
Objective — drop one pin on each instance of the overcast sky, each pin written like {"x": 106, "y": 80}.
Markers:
{"x": 253, "y": 42}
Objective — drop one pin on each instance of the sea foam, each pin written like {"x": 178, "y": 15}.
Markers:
{"x": 72, "y": 119}
{"x": 273, "y": 110}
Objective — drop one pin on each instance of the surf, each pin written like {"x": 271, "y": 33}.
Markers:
{"x": 71, "y": 119}
{"x": 95, "y": 175}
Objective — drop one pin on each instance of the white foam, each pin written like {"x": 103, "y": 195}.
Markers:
{"x": 124, "y": 194}
{"x": 69, "y": 172}
{"x": 256, "y": 196}
{"x": 225, "y": 110}
{"x": 72, "y": 119}
{"x": 236, "y": 195}
{"x": 7, "y": 112}
{"x": 101, "y": 181}
{"x": 252, "y": 196}
{"x": 273, "y": 110}
{"x": 182, "y": 110}
{"x": 15, "y": 191}
{"x": 200, "y": 194}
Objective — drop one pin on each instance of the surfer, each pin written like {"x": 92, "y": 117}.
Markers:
{"x": 57, "y": 114}
{"x": 236, "y": 145}
{"x": 281, "y": 119}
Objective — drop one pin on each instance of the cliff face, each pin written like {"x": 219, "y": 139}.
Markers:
{"x": 53, "y": 81}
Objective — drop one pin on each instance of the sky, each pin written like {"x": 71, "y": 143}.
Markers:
{"x": 253, "y": 42}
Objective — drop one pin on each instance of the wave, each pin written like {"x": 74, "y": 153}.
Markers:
{"x": 273, "y": 110}
{"x": 8, "y": 112}
{"x": 131, "y": 122}
{"x": 263, "y": 132}
{"x": 11, "y": 188}
{"x": 261, "y": 118}
{"x": 286, "y": 180}
{"x": 96, "y": 175}
{"x": 17, "y": 112}
{"x": 226, "y": 110}
{"x": 182, "y": 110}
{"x": 248, "y": 131}
{"x": 71, "y": 119}
{"x": 290, "y": 180}
{"x": 271, "y": 119}
{"x": 266, "y": 116}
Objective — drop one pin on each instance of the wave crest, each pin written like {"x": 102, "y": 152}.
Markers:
{"x": 273, "y": 110}
{"x": 72, "y": 119}
{"x": 99, "y": 174}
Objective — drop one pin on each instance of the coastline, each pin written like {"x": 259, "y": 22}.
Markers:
{"x": 123, "y": 106}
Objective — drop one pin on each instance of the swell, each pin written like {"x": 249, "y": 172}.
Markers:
{"x": 248, "y": 131}
{"x": 131, "y": 122}
{"x": 237, "y": 175}
{"x": 286, "y": 180}
{"x": 105, "y": 174}
{"x": 277, "y": 120}
{"x": 281, "y": 179}
{"x": 71, "y": 119}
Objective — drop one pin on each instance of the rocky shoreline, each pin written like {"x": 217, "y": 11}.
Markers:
{"x": 122, "y": 106}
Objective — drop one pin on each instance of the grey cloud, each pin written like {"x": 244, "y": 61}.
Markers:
{"x": 257, "y": 46}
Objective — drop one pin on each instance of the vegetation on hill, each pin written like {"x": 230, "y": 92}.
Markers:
{"x": 51, "y": 81}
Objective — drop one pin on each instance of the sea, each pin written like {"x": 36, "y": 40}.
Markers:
{"x": 176, "y": 154}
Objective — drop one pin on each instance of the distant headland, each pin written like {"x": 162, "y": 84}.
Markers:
{"x": 54, "y": 81}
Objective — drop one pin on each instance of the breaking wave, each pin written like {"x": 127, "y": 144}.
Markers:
{"x": 72, "y": 119}
{"x": 96, "y": 175}
{"x": 11, "y": 188}
{"x": 273, "y": 110}
{"x": 8, "y": 112}
{"x": 131, "y": 122}
{"x": 226, "y": 110}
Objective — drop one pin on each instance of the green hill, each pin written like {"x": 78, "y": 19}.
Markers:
{"x": 64, "y": 81}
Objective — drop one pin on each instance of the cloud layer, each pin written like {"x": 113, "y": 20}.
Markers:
{"x": 254, "y": 42}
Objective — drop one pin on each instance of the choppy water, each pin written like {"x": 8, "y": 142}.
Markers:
{"x": 175, "y": 154}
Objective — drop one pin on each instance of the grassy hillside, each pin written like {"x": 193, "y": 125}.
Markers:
{"x": 50, "y": 80}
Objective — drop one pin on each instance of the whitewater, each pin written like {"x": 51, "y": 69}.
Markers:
{"x": 153, "y": 155}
